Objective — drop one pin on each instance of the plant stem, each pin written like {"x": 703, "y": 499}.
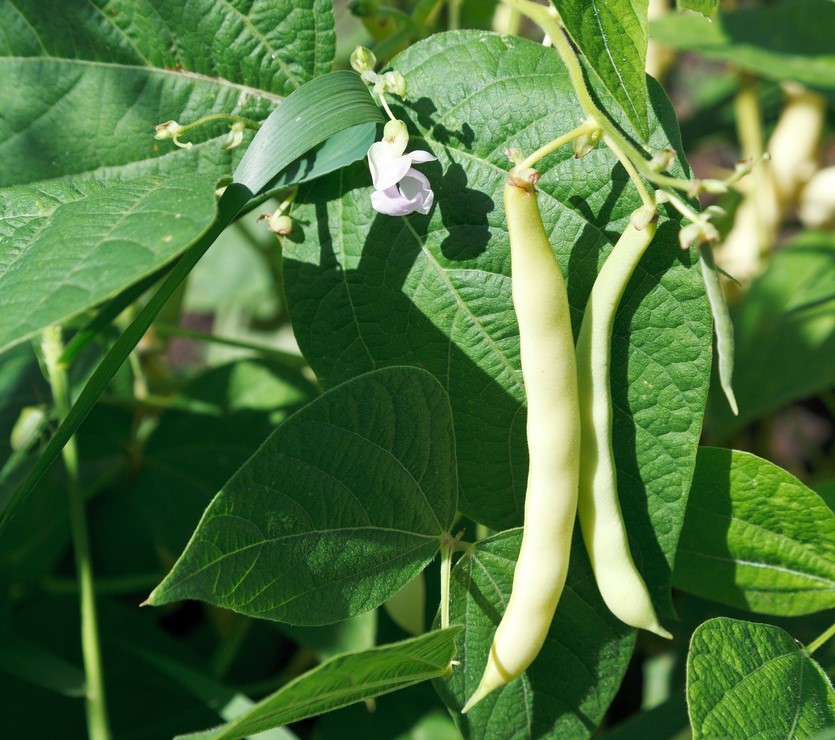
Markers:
{"x": 540, "y": 15}
{"x": 96, "y": 708}
{"x": 286, "y": 358}
{"x": 585, "y": 128}
{"x": 820, "y": 640}
{"x": 446, "y": 569}
{"x": 454, "y": 14}
{"x": 646, "y": 198}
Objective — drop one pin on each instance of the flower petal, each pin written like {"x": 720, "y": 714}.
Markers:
{"x": 387, "y": 169}
{"x": 419, "y": 155}
{"x": 391, "y": 202}
{"x": 416, "y": 189}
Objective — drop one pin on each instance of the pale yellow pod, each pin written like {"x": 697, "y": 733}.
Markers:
{"x": 601, "y": 520}
{"x": 553, "y": 429}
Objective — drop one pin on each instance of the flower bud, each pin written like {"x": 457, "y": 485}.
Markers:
{"x": 587, "y": 143}
{"x": 395, "y": 132}
{"x": 662, "y": 160}
{"x": 235, "y": 136}
{"x": 395, "y": 83}
{"x": 363, "y": 60}
{"x": 171, "y": 130}
{"x": 643, "y": 216}
{"x": 277, "y": 222}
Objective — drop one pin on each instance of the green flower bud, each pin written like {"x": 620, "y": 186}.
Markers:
{"x": 363, "y": 60}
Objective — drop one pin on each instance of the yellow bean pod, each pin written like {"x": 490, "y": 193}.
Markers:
{"x": 621, "y": 585}
{"x": 553, "y": 430}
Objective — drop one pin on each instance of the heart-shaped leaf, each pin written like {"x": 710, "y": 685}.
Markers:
{"x": 753, "y": 680}
{"x": 339, "y": 508}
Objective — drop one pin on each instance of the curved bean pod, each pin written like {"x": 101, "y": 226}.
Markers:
{"x": 621, "y": 585}
{"x": 553, "y": 430}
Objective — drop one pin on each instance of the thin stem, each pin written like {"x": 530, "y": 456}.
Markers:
{"x": 647, "y": 199}
{"x": 287, "y": 358}
{"x": 454, "y": 14}
{"x": 386, "y": 107}
{"x": 585, "y": 128}
{"x": 540, "y": 15}
{"x": 96, "y": 708}
{"x": 447, "y": 547}
{"x": 119, "y": 586}
{"x": 752, "y": 144}
{"x": 820, "y": 640}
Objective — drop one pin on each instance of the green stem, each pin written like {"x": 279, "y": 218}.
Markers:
{"x": 96, "y": 708}
{"x": 646, "y": 198}
{"x": 137, "y": 583}
{"x": 454, "y": 14}
{"x": 540, "y": 15}
{"x": 585, "y": 128}
{"x": 447, "y": 547}
{"x": 286, "y": 358}
{"x": 815, "y": 644}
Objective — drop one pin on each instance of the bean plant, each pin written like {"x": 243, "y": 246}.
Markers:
{"x": 317, "y": 318}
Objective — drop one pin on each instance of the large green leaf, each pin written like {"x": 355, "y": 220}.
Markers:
{"x": 784, "y": 333}
{"x": 347, "y": 679}
{"x": 272, "y": 45}
{"x": 32, "y": 663}
{"x": 341, "y": 506}
{"x": 755, "y": 537}
{"x": 114, "y": 71}
{"x": 213, "y": 425}
{"x": 612, "y": 34}
{"x": 366, "y": 290}
{"x": 781, "y": 41}
{"x": 749, "y": 680}
{"x": 569, "y": 686}
{"x": 66, "y": 245}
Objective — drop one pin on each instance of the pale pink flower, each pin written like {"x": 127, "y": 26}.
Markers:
{"x": 399, "y": 189}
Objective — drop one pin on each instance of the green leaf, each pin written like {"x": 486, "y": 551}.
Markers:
{"x": 345, "y": 503}
{"x": 707, "y": 8}
{"x": 783, "y": 41}
{"x": 756, "y": 538}
{"x": 346, "y": 679}
{"x": 569, "y": 686}
{"x": 753, "y": 680}
{"x": 274, "y": 46}
{"x": 667, "y": 721}
{"x": 334, "y": 102}
{"x": 32, "y": 663}
{"x": 211, "y": 428}
{"x": 67, "y": 245}
{"x": 367, "y": 290}
{"x": 115, "y": 73}
{"x": 612, "y": 34}
{"x": 785, "y": 333}
{"x": 326, "y": 641}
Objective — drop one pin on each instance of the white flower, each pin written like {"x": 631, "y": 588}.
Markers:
{"x": 399, "y": 188}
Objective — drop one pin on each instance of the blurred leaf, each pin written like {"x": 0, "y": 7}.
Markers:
{"x": 569, "y": 686}
{"x": 664, "y": 722}
{"x": 612, "y": 34}
{"x": 826, "y": 490}
{"x": 785, "y": 333}
{"x": 415, "y": 713}
{"x": 755, "y": 537}
{"x": 753, "y": 680}
{"x": 783, "y": 41}
{"x": 406, "y": 607}
{"x": 71, "y": 244}
{"x": 31, "y": 662}
{"x": 707, "y": 8}
{"x": 346, "y": 679}
{"x": 345, "y": 503}
{"x": 213, "y": 425}
{"x": 366, "y": 290}
{"x": 228, "y": 703}
{"x": 327, "y": 641}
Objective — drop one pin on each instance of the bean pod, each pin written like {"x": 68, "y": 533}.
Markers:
{"x": 553, "y": 431}
{"x": 620, "y": 583}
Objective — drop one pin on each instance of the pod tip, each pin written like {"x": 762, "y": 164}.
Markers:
{"x": 479, "y": 694}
